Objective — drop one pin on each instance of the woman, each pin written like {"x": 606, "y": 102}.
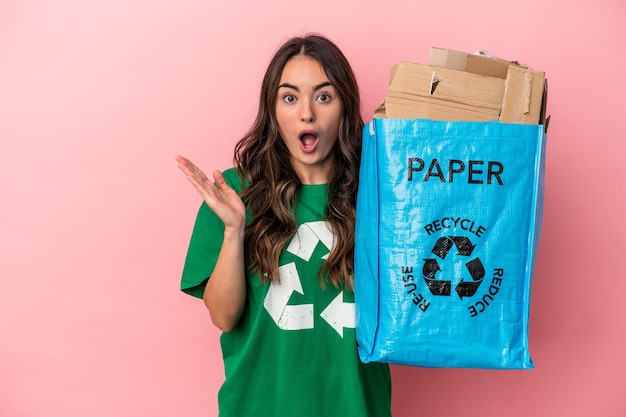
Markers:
{"x": 272, "y": 249}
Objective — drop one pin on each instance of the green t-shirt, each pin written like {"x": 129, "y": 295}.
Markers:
{"x": 293, "y": 352}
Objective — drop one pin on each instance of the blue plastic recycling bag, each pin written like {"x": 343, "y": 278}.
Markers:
{"x": 447, "y": 228}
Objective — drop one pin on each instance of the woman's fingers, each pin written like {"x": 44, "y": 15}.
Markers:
{"x": 219, "y": 179}
{"x": 190, "y": 169}
{"x": 195, "y": 175}
{"x": 218, "y": 195}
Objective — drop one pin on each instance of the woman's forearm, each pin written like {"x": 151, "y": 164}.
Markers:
{"x": 225, "y": 292}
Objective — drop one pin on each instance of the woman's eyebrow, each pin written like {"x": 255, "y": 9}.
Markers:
{"x": 317, "y": 87}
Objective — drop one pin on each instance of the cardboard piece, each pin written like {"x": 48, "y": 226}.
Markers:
{"x": 437, "y": 93}
{"x": 462, "y": 61}
{"x": 460, "y": 86}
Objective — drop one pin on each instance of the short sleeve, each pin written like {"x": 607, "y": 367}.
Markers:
{"x": 205, "y": 244}
{"x": 204, "y": 248}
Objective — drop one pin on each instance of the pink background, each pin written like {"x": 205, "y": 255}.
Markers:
{"x": 96, "y": 99}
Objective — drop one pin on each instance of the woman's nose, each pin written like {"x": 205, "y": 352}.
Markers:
{"x": 306, "y": 112}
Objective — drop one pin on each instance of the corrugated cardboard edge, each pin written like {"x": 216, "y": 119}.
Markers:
{"x": 521, "y": 102}
{"x": 476, "y": 64}
{"x": 381, "y": 111}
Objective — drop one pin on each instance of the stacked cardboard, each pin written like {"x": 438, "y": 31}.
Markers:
{"x": 460, "y": 86}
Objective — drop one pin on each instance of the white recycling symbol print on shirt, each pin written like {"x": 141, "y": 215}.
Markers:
{"x": 298, "y": 317}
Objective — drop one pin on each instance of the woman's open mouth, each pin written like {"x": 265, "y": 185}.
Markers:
{"x": 308, "y": 141}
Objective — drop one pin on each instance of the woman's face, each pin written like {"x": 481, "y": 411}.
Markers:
{"x": 308, "y": 111}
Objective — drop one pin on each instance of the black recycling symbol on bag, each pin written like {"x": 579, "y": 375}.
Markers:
{"x": 475, "y": 268}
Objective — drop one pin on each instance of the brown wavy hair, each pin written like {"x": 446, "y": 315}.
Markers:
{"x": 264, "y": 163}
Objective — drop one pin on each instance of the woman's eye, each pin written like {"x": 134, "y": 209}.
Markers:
{"x": 289, "y": 98}
{"x": 324, "y": 97}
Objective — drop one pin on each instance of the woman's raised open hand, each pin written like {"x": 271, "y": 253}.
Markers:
{"x": 218, "y": 195}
